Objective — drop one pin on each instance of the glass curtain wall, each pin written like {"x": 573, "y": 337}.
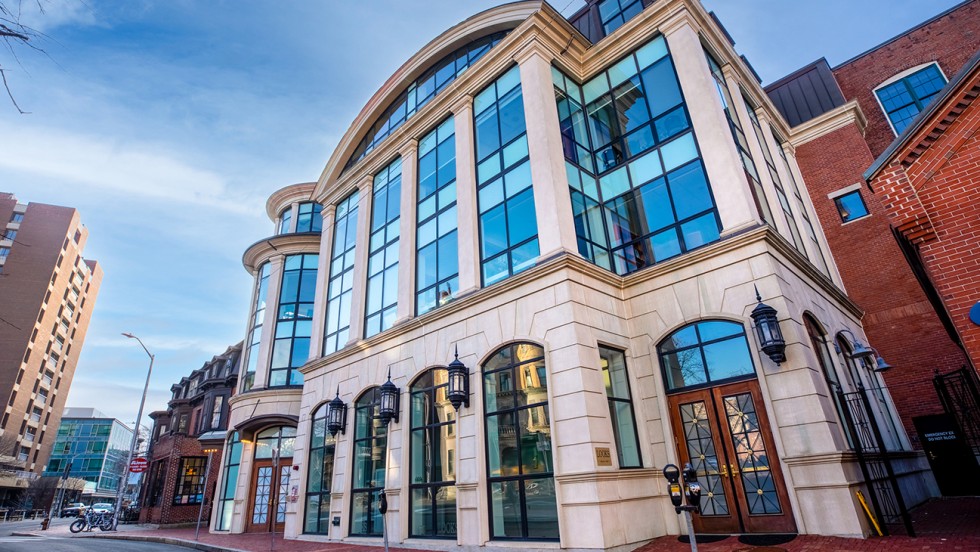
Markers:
{"x": 639, "y": 191}
{"x": 320, "y": 475}
{"x": 226, "y": 500}
{"x": 520, "y": 469}
{"x": 614, "y": 375}
{"x": 777, "y": 183}
{"x": 339, "y": 289}
{"x": 370, "y": 450}
{"x": 438, "y": 256}
{"x": 294, "y": 321}
{"x": 382, "y": 283}
{"x": 255, "y": 334}
{"x": 433, "y": 455}
{"x": 508, "y": 223}
{"x": 741, "y": 143}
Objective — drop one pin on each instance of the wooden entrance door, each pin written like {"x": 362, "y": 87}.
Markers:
{"x": 725, "y": 434}
{"x": 267, "y": 505}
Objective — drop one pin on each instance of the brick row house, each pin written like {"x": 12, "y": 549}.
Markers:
{"x": 183, "y": 439}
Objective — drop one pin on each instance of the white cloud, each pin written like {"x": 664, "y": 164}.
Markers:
{"x": 115, "y": 165}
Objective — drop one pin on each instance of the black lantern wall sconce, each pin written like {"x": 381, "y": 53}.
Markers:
{"x": 389, "y": 401}
{"x": 336, "y": 415}
{"x": 860, "y": 352}
{"x": 767, "y": 329}
{"x": 459, "y": 383}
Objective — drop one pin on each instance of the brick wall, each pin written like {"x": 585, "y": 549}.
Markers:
{"x": 949, "y": 40}
{"x": 899, "y": 320}
{"x": 173, "y": 448}
{"x": 943, "y": 186}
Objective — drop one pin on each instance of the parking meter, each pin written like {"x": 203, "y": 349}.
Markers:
{"x": 383, "y": 503}
{"x": 692, "y": 488}
{"x": 672, "y": 474}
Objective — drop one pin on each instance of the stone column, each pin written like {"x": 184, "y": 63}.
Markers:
{"x": 329, "y": 214}
{"x": 552, "y": 200}
{"x": 268, "y": 322}
{"x": 363, "y": 243}
{"x": 467, "y": 212}
{"x": 407, "y": 225}
{"x": 722, "y": 163}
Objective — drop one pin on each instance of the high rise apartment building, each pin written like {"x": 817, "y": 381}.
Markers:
{"x": 47, "y": 293}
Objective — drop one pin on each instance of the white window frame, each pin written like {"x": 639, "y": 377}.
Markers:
{"x": 897, "y": 77}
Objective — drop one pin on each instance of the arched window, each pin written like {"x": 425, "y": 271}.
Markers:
{"x": 370, "y": 449}
{"x": 226, "y": 500}
{"x": 433, "y": 449}
{"x": 704, "y": 353}
{"x": 882, "y": 413}
{"x": 829, "y": 371}
{"x": 520, "y": 470}
{"x": 318, "y": 479}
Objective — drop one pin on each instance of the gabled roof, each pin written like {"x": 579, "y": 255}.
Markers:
{"x": 927, "y": 117}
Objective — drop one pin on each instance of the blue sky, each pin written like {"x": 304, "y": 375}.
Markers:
{"x": 168, "y": 123}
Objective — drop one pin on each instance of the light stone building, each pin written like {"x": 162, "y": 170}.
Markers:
{"x": 587, "y": 220}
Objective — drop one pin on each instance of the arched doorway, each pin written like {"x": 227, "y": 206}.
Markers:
{"x": 721, "y": 428}
{"x": 270, "y": 479}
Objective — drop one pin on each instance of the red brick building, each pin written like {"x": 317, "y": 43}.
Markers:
{"x": 47, "y": 294}
{"x": 195, "y": 421}
{"x": 842, "y": 118}
{"x": 929, "y": 183}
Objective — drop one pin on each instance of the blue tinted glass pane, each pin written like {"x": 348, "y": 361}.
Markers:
{"x": 448, "y": 253}
{"x": 487, "y": 134}
{"x": 717, "y": 329}
{"x": 661, "y": 87}
{"x": 639, "y": 141}
{"x": 521, "y": 221}
{"x": 656, "y": 206}
{"x": 511, "y": 116}
{"x": 728, "y": 359}
{"x": 851, "y": 206}
{"x": 665, "y": 244}
{"x": 495, "y": 270}
{"x": 426, "y": 269}
{"x": 685, "y": 337}
{"x": 683, "y": 368}
{"x": 427, "y": 174}
{"x": 670, "y": 124}
{"x": 493, "y": 232}
{"x": 523, "y": 257}
{"x": 689, "y": 188}
{"x": 700, "y": 231}
{"x": 631, "y": 106}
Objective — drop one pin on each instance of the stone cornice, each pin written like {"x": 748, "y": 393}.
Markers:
{"x": 258, "y": 394}
{"x": 281, "y": 244}
{"x": 282, "y": 197}
{"x": 840, "y": 117}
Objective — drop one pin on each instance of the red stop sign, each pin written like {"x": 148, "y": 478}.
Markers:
{"x": 138, "y": 465}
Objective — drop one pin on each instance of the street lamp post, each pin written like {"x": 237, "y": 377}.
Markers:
{"x": 132, "y": 445}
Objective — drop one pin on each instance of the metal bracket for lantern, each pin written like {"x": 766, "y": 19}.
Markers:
{"x": 768, "y": 331}
{"x": 861, "y": 352}
{"x": 459, "y": 383}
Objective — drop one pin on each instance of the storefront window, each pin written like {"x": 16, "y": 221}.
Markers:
{"x": 226, "y": 500}
{"x": 318, "y": 480}
{"x": 370, "y": 448}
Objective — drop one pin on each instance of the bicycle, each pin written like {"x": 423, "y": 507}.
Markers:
{"x": 90, "y": 520}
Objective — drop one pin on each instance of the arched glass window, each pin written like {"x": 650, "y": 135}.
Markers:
{"x": 520, "y": 470}
{"x": 318, "y": 479}
{"x": 370, "y": 449}
{"x": 705, "y": 352}
{"x": 829, "y": 373}
{"x": 433, "y": 446}
{"x": 226, "y": 500}
{"x": 309, "y": 219}
{"x": 882, "y": 412}
{"x": 282, "y": 438}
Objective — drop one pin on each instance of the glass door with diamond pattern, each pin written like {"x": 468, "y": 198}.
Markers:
{"x": 725, "y": 434}
{"x": 265, "y": 486}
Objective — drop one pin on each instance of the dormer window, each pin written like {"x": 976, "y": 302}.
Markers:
{"x": 903, "y": 96}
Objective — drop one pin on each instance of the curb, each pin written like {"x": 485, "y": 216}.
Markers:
{"x": 194, "y": 545}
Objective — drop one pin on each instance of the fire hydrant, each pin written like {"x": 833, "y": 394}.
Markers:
{"x": 44, "y": 523}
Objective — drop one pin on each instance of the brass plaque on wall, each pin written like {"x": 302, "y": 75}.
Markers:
{"x": 603, "y": 457}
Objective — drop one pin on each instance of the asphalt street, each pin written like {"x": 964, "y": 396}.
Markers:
{"x": 66, "y": 544}
{"x": 6, "y": 528}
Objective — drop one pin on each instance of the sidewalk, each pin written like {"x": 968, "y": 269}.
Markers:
{"x": 942, "y": 525}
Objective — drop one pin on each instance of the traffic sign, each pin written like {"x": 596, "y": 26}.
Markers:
{"x": 138, "y": 465}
